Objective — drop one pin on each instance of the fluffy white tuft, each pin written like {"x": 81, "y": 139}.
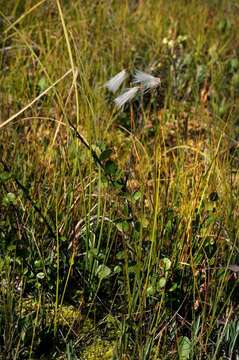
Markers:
{"x": 128, "y": 95}
{"x": 114, "y": 83}
{"x": 148, "y": 81}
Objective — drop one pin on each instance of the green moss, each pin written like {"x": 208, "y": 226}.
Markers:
{"x": 66, "y": 314}
{"x": 100, "y": 349}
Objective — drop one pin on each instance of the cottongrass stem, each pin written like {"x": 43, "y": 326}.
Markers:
{"x": 128, "y": 95}
{"x": 148, "y": 81}
{"x": 114, "y": 83}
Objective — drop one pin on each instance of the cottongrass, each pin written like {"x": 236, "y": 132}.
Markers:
{"x": 146, "y": 80}
{"x": 114, "y": 83}
{"x": 143, "y": 81}
{"x": 128, "y": 95}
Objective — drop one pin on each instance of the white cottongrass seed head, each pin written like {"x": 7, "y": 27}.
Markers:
{"x": 148, "y": 81}
{"x": 127, "y": 96}
{"x": 114, "y": 83}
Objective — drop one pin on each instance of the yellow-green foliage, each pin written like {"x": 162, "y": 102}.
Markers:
{"x": 99, "y": 350}
{"x": 66, "y": 315}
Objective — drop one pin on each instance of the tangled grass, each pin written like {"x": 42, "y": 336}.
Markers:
{"x": 119, "y": 226}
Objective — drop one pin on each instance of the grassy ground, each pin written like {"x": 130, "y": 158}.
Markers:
{"x": 119, "y": 228}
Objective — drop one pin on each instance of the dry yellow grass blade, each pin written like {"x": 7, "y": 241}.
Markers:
{"x": 35, "y": 100}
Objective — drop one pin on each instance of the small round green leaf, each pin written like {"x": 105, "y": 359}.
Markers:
{"x": 111, "y": 167}
{"x": 40, "y": 275}
{"x": 103, "y": 272}
{"x": 137, "y": 195}
{"x": 105, "y": 154}
{"x": 123, "y": 226}
{"x": 167, "y": 263}
{"x": 184, "y": 347}
{"x": 117, "y": 269}
{"x": 150, "y": 291}
{"x": 38, "y": 263}
{"x": 5, "y": 176}
{"x": 9, "y": 199}
{"x": 161, "y": 283}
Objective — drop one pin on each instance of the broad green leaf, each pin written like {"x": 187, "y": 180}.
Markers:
{"x": 150, "y": 291}
{"x": 11, "y": 248}
{"x": 40, "y": 275}
{"x": 105, "y": 154}
{"x": 111, "y": 167}
{"x": 38, "y": 263}
{"x": 167, "y": 263}
{"x": 137, "y": 195}
{"x": 144, "y": 222}
{"x": 9, "y": 199}
{"x": 103, "y": 272}
{"x": 117, "y": 269}
{"x": 161, "y": 283}
{"x": 135, "y": 268}
{"x": 173, "y": 287}
{"x": 120, "y": 255}
{"x": 122, "y": 226}
{"x": 5, "y": 176}
{"x": 184, "y": 347}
